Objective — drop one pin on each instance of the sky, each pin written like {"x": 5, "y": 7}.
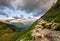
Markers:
{"x": 12, "y": 13}
{"x": 25, "y": 8}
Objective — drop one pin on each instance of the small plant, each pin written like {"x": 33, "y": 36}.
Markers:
{"x": 57, "y": 28}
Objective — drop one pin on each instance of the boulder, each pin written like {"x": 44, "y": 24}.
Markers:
{"x": 48, "y": 25}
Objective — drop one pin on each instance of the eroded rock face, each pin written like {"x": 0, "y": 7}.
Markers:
{"x": 43, "y": 32}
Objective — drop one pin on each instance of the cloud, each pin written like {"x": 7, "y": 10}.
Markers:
{"x": 37, "y": 7}
{"x": 33, "y": 18}
{"x": 6, "y": 3}
{"x": 18, "y": 17}
{"x": 3, "y": 13}
{"x": 28, "y": 5}
{"x": 31, "y": 5}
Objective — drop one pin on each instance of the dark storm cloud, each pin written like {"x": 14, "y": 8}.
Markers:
{"x": 27, "y": 5}
{"x": 31, "y": 5}
{"x": 3, "y": 13}
{"x": 37, "y": 13}
{"x": 6, "y": 3}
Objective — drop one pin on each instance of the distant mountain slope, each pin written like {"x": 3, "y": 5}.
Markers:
{"x": 6, "y": 26}
{"x": 8, "y": 32}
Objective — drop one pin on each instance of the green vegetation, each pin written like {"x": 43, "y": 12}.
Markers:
{"x": 53, "y": 13}
{"x": 58, "y": 28}
{"x": 26, "y": 36}
{"x": 6, "y": 26}
{"x": 8, "y": 32}
{"x": 26, "y": 30}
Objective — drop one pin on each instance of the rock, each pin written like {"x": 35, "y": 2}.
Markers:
{"x": 38, "y": 27}
{"x": 48, "y": 25}
{"x": 41, "y": 21}
{"x": 33, "y": 38}
{"x": 37, "y": 30}
{"x": 39, "y": 37}
{"x": 43, "y": 35}
{"x": 45, "y": 39}
{"x": 59, "y": 37}
{"x": 54, "y": 24}
{"x": 43, "y": 32}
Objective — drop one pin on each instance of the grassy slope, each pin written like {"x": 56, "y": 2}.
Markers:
{"x": 53, "y": 13}
{"x": 7, "y": 32}
{"x": 12, "y": 35}
{"x": 25, "y": 33}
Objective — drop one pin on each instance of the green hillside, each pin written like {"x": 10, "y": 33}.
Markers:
{"x": 53, "y": 13}
{"x": 7, "y": 26}
{"x": 8, "y": 32}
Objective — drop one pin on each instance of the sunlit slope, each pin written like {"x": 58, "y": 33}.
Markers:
{"x": 53, "y": 13}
